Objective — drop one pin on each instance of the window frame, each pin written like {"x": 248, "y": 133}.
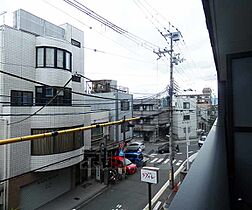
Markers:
{"x": 20, "y": 101}
{"x": 63, "y": 99}
{"x": 186, "y": 105}
{"x": 123, "y": 106}
{"x": 67, "y": 65}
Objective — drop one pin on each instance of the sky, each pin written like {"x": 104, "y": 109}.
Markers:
{"x": 109, "y": 55}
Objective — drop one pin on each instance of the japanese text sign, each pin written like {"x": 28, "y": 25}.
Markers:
{"x": 149, "y": 174}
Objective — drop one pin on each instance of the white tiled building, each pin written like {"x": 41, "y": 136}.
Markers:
{"x": 41, "y": 51}
{"x": 118, "y": 102}
{"x": 184, "y": 112}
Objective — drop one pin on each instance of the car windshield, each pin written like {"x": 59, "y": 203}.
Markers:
{"x": 134, "y": 144}
{"x": 127, "y": 162}
{"x": 132, "y": 148}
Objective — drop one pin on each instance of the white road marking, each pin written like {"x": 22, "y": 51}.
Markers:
{"x": 178, "y": 163}
{"x": 153, "y": 154}
{"x": 160, "y": 160}
{"x": 119, "y": 206}
{"x": 190, "y": 152}
{"x": 179, "y": 153}
{"x": 174, "y": 161}
{"x": 164, "y": 187}
{"x": 156, "y": 207}
{"x": 154, "y": 160}
{"x": 166, "y": 161}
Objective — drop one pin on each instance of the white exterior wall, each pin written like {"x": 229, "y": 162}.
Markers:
{"x": 178, "y": 117}
{"x": 111, "y": 105}
{"x": 101, "y": 117}
{"x": 18, "y": 55}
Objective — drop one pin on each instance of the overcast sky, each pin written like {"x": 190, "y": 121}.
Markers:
{"x": 131, "y": 64}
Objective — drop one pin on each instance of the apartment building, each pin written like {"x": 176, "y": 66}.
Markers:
{"x": 184, "y": 117}
{"x": 38, "y": 59}
{"x": 155, "y": 119}
{"x": 107, "y": 96}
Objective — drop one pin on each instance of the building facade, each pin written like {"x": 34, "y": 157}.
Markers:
{"x": 155, "y": 119}
{"x": 38, "y": 63}
{"x": 184, "y": 117}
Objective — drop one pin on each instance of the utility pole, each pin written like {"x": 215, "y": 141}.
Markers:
{"x": 171, "y": 112}
{"x": 187, "y": 145}
{"x": 117, "y": 116}
{"x": 173, "y": 37}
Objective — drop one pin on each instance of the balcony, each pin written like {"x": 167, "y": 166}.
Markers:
{"x": 206, "y": 184}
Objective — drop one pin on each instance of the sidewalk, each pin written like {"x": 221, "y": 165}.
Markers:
{"x": 76, "y": 197}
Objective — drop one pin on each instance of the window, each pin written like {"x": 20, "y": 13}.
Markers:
{"x": 96, "y": 133}
{"x": 136, "y": 107}
{"x": 40, "y": 57}
{"x": 56, "y": 144}
{"x": 189, "y": 130}
{"x": 60, "y": 58}
{"x": 21, "y": 98}
{"x": 186, "y": 105}
{"x": 125, "y": 127}
{"x": 75, "y": 43}
{"x": 45, "y": 94}
{"x": 147, "y": 120}
{"x": 124, "y": 105}
{"x": 49, "y": 92}
{"x": 50, "y": 57}
{"x": 68, "y": 61}
{"x": 186, "y": 117}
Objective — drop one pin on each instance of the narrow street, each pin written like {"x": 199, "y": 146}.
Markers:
{"x": 131, "y": 193}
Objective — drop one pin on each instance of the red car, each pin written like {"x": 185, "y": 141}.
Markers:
{"x": 119, "y": 161}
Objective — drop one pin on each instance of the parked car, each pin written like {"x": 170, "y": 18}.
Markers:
{"x": 119, "y": 162}
{"x": 201, "y": 140}
{"x": 138, "y": 144}
{"x": 134, "y": 154}
{"x": 164, "y": 148}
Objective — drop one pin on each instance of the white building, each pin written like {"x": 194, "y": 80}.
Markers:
{"x": 184, "y": 112}
{"x": 40, "y": 51}
{"x": 118, "y": 102}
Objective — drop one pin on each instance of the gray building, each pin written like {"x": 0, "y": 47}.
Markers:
{"x": 155, "y": 119}
{"x": 40, "y": 51}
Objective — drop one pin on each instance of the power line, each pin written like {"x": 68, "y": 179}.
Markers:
{"x": 50, "y": 101}
{"x": 146, "y": 44}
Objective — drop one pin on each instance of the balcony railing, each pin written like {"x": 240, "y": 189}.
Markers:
{"x": 206, "y": 184}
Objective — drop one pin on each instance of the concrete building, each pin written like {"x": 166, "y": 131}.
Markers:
{"x": 155, "y": 122}
{"x": 184, "y": 112}
{"x": 108, "y": 97}
{"x": 40, "y": 51}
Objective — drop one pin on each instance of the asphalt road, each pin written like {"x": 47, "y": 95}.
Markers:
{"x": 131, "y": 193}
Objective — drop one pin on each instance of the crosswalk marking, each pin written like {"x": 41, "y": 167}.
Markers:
{"x": 160, "y": 160}
{"x": 154, "y": 160}
{"x": 153, "y": 155}
{"x": 178, "y": 163}
{"x": 156, "y": 207}
{"x": 166, "y": 161}
{"x": 190, "y": 152}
